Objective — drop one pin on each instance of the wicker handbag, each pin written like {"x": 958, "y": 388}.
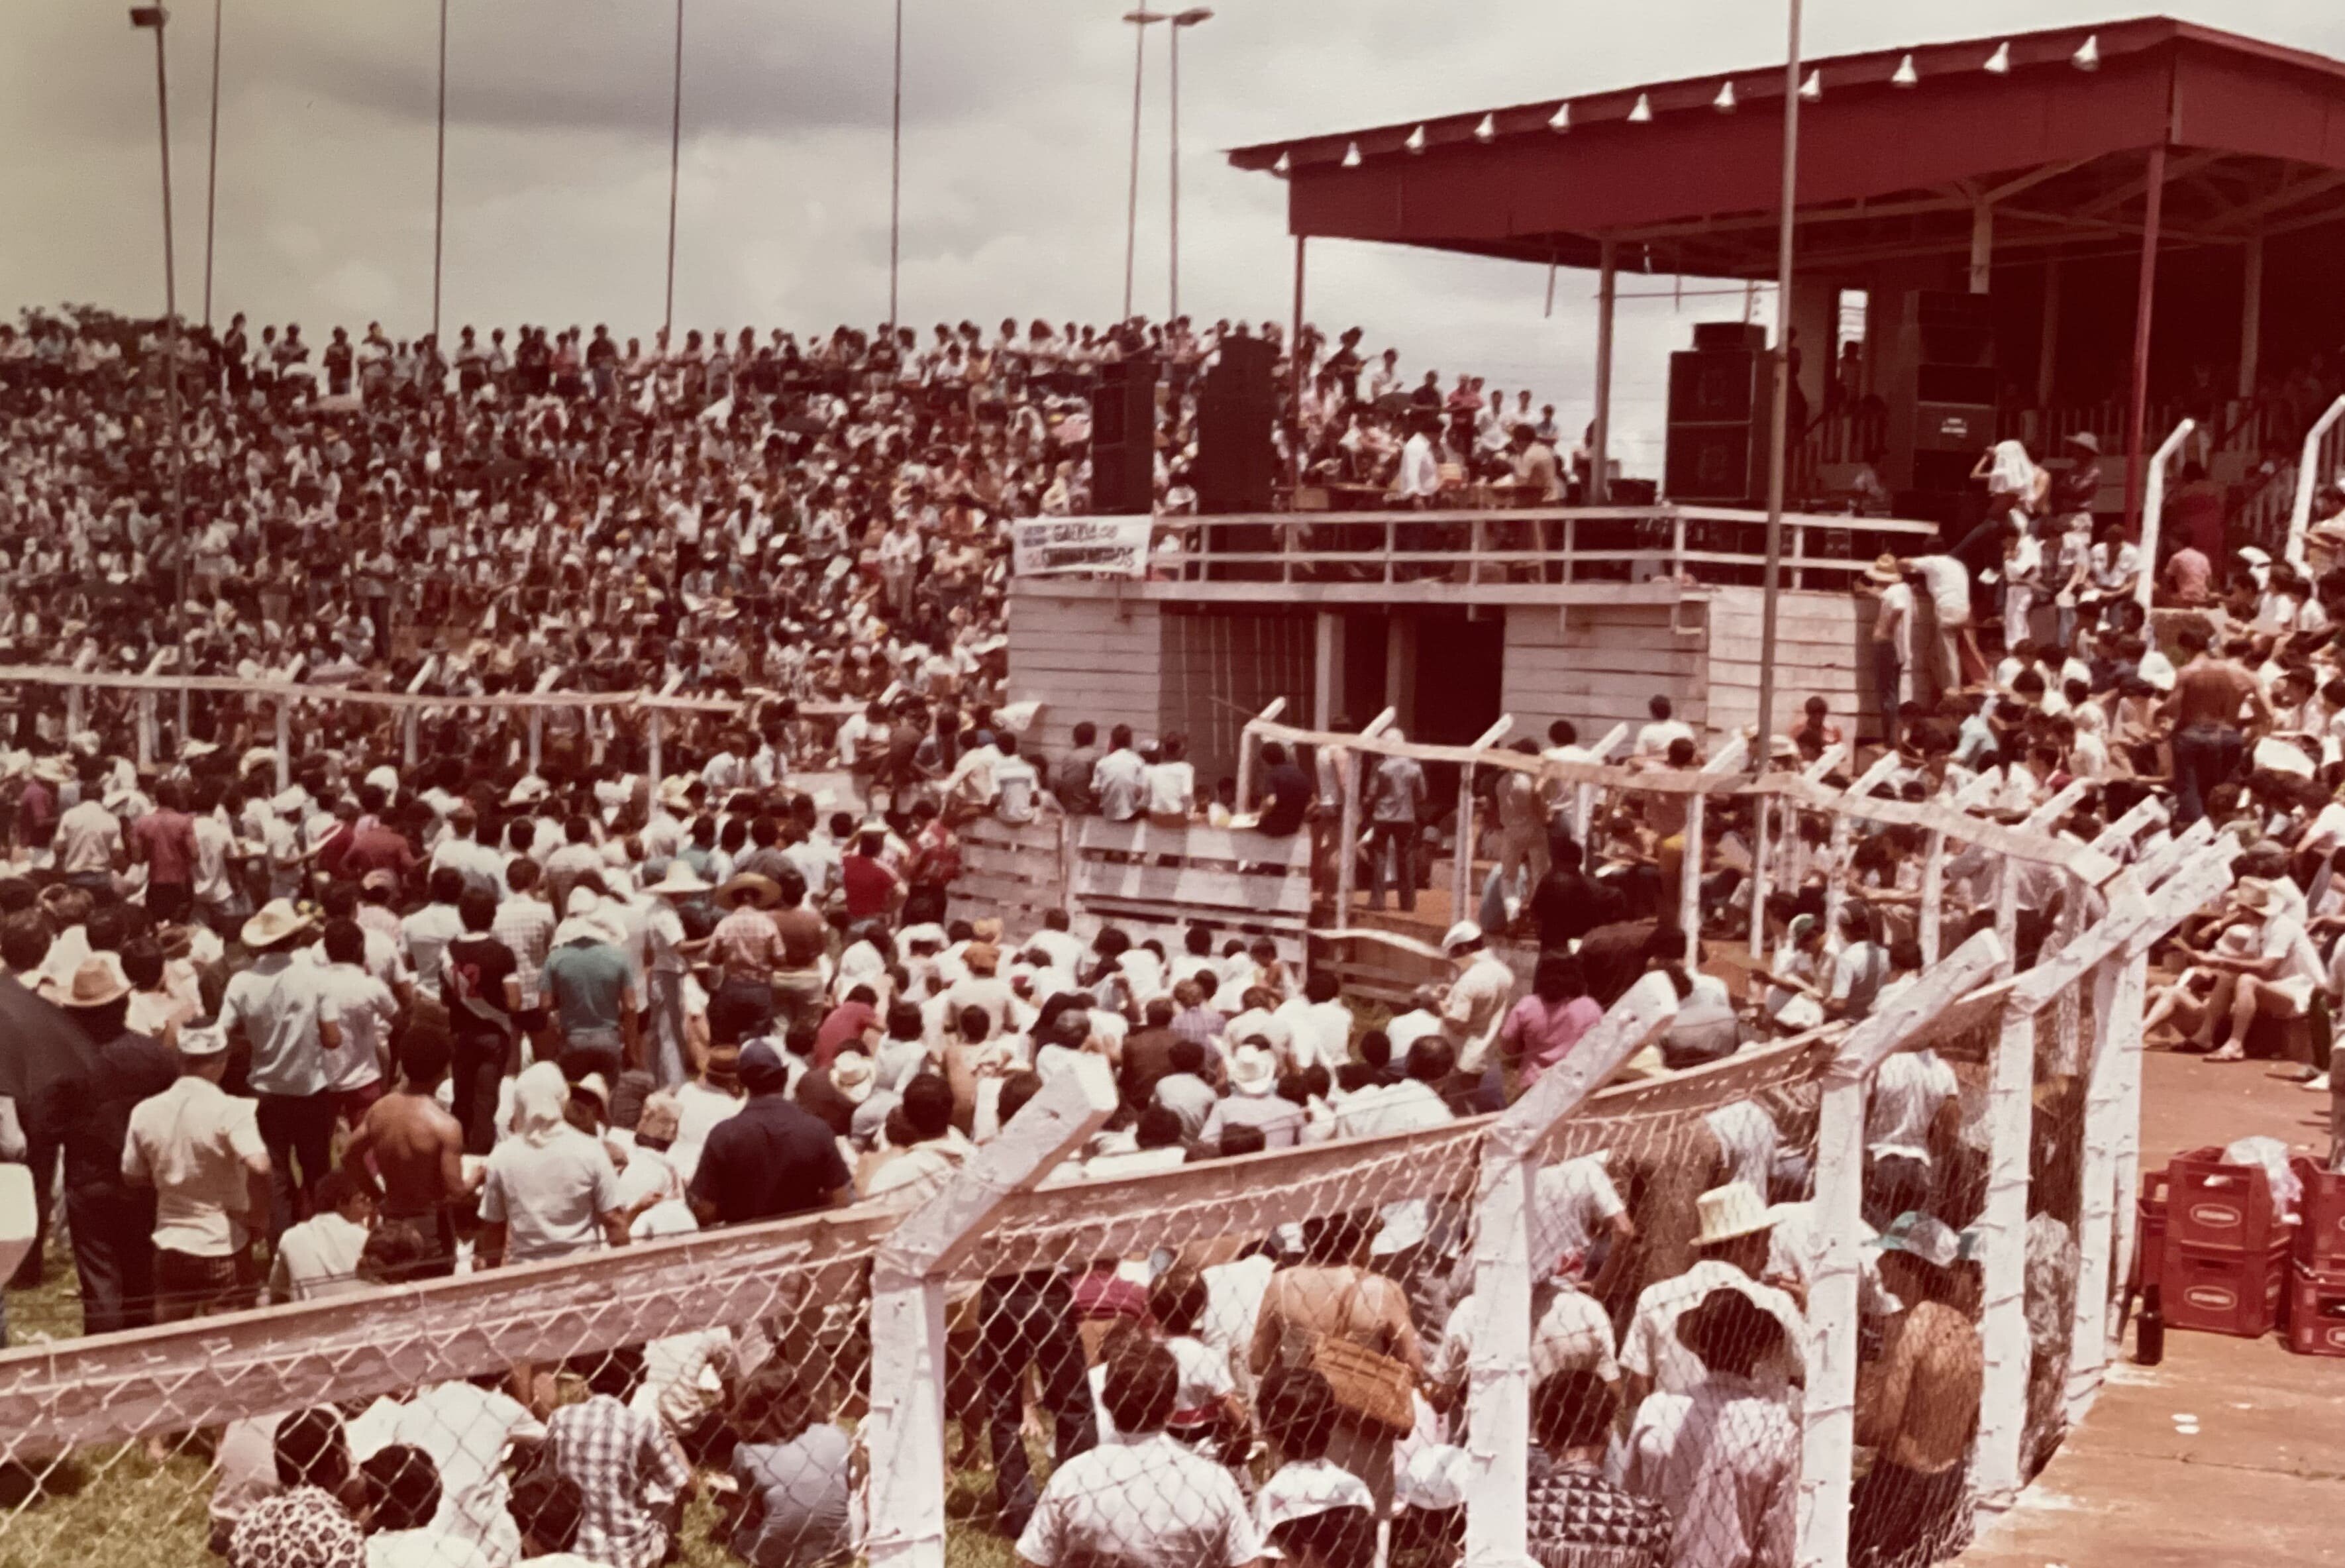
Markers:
{"x": 1372, "y": 1389}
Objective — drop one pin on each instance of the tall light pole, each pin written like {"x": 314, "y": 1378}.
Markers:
{"x": 674, "y": 162}
{"x": 1776, "y": 457}
{"x": 896, "y": 169}
{"x": 212, "y": 171}
{"x": 440, "y": 178}
{"x": 1141, "y": 20}
{"x": 1189, "y": 18}
{"x": 153, "y": 18}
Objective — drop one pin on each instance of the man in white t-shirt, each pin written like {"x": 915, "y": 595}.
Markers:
{"x": 1653, "y": 739}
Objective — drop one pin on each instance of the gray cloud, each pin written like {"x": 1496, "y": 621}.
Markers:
{"x": 1017, "y": 118}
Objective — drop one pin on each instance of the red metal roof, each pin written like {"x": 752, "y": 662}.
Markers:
{"x": 1884, "y": 169}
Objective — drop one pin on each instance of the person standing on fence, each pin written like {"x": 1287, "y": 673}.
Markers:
{"x": 1395, "y": 811}
{"x": 281, "y": 1010}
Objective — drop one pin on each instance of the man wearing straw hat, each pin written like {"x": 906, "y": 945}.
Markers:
{"x": 111, "y": 1218}
{"x": 279, "y": 1008}
{"x": 1730, "y": 1254}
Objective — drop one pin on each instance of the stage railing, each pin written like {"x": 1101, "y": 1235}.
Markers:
{"x": 1539, "y": 545}
{"x": 892, "y": 1318}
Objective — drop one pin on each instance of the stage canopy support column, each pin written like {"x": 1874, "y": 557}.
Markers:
{"x": 2047, "y": 348}
{"x": 1599, "y": 442}
{"x": 1982, "y": 246}
{"x": 2144, "y": 299}
{"x": 2251, "y": 315}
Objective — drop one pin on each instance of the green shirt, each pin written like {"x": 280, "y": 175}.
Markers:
{"x": 588, "y": 981}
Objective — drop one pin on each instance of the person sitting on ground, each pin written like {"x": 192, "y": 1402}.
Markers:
{"x": 312, "y": 1523}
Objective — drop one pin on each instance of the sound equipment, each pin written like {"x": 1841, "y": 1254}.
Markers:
{"x": 1237, "y": 404}
{"x": 1714, "y": 336}
{"x": 1124, "y": 437}
{"x": 1938, "y": 378}
{"x": 1718, "y": 418}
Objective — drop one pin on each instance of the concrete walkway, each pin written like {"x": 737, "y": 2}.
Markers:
{"x": 2261, "y": 1480}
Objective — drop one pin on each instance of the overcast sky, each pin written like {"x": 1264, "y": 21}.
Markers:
{"x": 1017, "y": 117}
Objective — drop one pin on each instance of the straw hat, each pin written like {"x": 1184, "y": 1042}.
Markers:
{"x": 681, "y": 882}
{"x": 98, "y": 980}
{"x": 1730, "y": 1212}
{"x": 1884, "y": 569}
{"x": 763, "y": 891}
{"x": 277, "y": 921}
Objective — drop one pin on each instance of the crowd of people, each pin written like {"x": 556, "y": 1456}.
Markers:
{"x": 464, "y": 995}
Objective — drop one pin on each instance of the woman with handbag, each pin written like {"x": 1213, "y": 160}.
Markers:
{"x": 1352, "y": 1326}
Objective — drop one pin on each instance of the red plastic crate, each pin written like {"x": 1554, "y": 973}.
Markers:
{"x": 2211, "y": 1203}
{"x": 2315, "y": 1312}
{"x": 2321, "y": 1238}
{"x": 2149, "y": 1232}
{"x": 2221, "y": 1290}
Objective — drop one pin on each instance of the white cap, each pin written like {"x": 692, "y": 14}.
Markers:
{"x": 1461, "y": 934}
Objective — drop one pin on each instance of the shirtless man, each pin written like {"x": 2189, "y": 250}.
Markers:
{"x": 412, "y": 1152}
{"x": 1917, "y": 1406}
{"x": 2209, "y": 693}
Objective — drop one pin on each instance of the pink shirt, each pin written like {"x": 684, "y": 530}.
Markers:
{"x": 1543, "y": 1035}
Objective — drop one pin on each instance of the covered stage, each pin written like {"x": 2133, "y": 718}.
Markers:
{"x": 2150, "y": 209}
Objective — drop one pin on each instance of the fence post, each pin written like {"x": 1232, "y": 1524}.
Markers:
{"x": 1762, "y": 811}
{"x": 652, "y": 731}
{"x": 1499, "y": 1389}
{"x": 536, "y": 739}
{"x": 2101, "y": 1260}
{"x": 284, "y": 743}
{"x": 1995, "y": 1469}
{"x": 145, "y": 729}
{"x": 1934, "y": 895}
{"x": 407, "y": 723}
{"x": 907, "y": 1431}
{"x": 1828, "y": 1419}
{"x": 73, "y": 713}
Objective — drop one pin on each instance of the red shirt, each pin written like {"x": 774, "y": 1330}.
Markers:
{"x": 375, "y": 850}
{"x": 867, "y": 884}
{"x": 846, "y": 1024}
{"x": 166, "y": 839}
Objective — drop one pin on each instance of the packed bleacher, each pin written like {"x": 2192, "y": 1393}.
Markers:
{"x": 443, "y": 1002}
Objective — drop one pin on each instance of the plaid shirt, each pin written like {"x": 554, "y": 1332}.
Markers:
{"x": 526, "y": 925}
{"x": 622, "y": 1464}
